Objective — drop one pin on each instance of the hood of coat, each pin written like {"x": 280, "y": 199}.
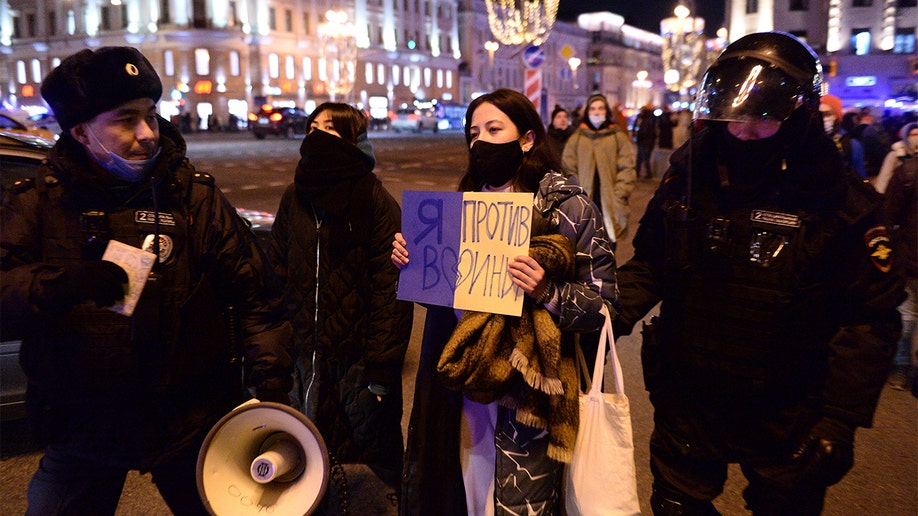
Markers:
{"x": 555, "y": 188}
{"x": 329, "y": 170}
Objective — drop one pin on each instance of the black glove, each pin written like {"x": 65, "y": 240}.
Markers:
{"x": 827, "y": 453}
{"x": 99, "y": 281}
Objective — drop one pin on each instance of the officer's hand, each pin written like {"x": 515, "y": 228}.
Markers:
{"x": 99, "y": 281}
{"x": 827, "y": 453}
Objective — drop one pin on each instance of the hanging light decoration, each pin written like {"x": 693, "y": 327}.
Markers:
{"x": 517, "y": 22}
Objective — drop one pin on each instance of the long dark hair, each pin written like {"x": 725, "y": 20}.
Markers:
{"x": 537, "y": 162}
{"x": 349, "y": 121}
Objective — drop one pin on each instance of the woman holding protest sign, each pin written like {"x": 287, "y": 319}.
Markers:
{"x": 330, "y": 246}
{"x": 468, "y": 431}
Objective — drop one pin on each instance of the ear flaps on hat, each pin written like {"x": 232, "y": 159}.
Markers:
{"x": 92, "y": 82}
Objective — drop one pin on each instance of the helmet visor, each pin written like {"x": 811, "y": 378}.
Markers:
{"x": 746, "y": 90}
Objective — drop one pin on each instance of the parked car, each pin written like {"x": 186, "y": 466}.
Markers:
{"x": 45, "y": 121}
{"x": 21, "y": 155}
{"x": 9, "y": 123}
{"x": 415, "y": 120}
{"x": 287, "y": 122}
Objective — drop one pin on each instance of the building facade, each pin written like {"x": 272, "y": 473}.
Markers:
{"x": 219, "y": 60}
{"x": 867, "y": 47}
{"x": 223, "y": 58}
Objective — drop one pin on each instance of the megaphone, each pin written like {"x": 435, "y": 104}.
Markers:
{"x": 262, "y": 458}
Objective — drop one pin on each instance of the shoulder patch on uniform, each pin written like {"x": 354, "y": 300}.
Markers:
{"x": 879, "y": 245}
{"x": 203, "y": 178}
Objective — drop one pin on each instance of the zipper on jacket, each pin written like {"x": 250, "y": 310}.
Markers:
{"x": 315, "y": 330}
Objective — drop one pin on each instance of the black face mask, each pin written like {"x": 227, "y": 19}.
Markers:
{"x": 496, "y": 163}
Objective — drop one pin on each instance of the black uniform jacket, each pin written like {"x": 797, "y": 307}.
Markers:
{"x": 133, "y": 391}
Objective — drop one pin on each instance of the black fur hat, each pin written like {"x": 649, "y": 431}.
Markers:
{"x": 91, "y": 82}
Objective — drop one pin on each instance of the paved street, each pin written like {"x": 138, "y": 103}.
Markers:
{"x": 884, "y": 480}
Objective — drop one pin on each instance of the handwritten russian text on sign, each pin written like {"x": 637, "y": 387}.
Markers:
{"x": 461, "y": 245}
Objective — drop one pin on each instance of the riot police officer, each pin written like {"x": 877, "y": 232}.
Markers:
{"x": 775, "y": 273}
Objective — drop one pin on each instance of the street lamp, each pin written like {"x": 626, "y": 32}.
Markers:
{"x": 340, "y": 54}
{"x": 491, "y": 47}
{"x": 683, "y": 49}
{"x": 641, "y": 88}
{"x": 574, "y": 63}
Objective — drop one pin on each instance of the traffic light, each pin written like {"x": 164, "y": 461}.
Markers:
{"x": 833, "y": 68}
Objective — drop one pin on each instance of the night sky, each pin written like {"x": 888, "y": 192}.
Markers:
{"x": 645, "y": 14}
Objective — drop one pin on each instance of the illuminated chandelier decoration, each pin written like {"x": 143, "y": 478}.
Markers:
{"x": 518, "y": 22}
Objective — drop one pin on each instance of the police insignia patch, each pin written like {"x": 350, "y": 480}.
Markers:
{"x": 880, "y": 247}
{"x": 165, "y": 246}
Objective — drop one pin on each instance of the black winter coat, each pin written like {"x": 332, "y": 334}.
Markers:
{"x": 135, "y": 391}
{"x": 813, "y": 325}
{"x": 331, "y": 248}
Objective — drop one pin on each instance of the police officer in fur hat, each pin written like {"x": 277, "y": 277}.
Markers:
{"x": 119, "y": 382}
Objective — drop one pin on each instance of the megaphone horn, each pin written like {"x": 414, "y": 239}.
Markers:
{"x": 262, "y": 458}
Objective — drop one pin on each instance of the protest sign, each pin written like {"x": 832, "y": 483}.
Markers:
{"x": 461, "y": 245}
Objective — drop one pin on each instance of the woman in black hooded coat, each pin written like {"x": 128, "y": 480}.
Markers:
{"x": 330, "y": 245}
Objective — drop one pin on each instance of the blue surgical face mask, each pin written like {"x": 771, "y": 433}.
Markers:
{"x": 597, "y": 120}
{"x": 131, "y": 170}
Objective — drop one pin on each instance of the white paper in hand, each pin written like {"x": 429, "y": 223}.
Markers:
{"x": 137, "y": 263}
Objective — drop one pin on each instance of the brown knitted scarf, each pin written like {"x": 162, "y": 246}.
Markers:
{"x": 517, "y": 361}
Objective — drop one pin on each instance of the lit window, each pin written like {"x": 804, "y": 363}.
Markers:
{"x": 369, "y": 73}
{"x": 234, "y": 63}
{"x": 168, "y": 63}
{"x": 395, "y": 75}
{"x": 380, "y": 74}
{"x": 290, "y": 67}
{"x": 904, "y": 42}
{"x": 307, "y": 68}
{"x": 21, "y": 75}
{"x": 36, "y": 70}
{"x": 202, "y": 61}
{"x": 273, "y": 65}
{"x": 860, "y": 40}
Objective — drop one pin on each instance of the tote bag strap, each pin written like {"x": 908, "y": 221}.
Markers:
{"x": 607, "y": 336}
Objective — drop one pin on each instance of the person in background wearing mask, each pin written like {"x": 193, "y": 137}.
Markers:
{"x": 559, "y": 130}
{"x": 467, "y": 457}
{"x": 602, "y": 157}
{"x": 904, "y": 149}
{"x": 830, "y": 107}
{"x": 774, "y": 270}
{"x": 330, "y": 246}
{"x": 108, "y": 392}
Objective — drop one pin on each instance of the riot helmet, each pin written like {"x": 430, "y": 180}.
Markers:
{"x": 761, "y": 76}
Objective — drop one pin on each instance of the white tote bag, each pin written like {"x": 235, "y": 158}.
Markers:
{"x": 600, "y": 480}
